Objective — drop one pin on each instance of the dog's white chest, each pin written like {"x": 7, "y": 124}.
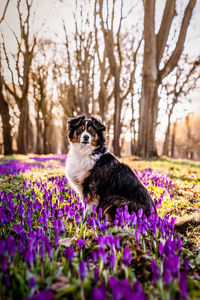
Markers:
{"x": 79, "y": 161}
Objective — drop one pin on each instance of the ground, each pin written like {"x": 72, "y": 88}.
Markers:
{"x": 50, "y": 247}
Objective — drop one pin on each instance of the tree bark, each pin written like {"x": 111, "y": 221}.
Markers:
{"x": 167, "y": 135}
{"x": 117, "y": 116}
{"x": 173, "y": 140}
{"x": 5, "y": 116}
{"x": 45, "y": 139}
{"x": 152, "y": 76}
{"x": 149, "y": 99}
{"x": 22, "y": 143}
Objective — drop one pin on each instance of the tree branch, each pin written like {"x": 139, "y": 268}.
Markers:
{"x": 173, "y": 60}
{"x": 163, "y": 33}
{"x": 4, "y": 12}
{"x": 132, "y": 76}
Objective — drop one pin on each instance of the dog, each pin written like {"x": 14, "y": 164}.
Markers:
{"x": 94, "y": 173}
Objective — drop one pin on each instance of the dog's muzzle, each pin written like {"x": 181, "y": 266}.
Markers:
{"x": 85, "y": 139}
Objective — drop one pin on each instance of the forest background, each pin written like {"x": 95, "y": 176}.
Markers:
{"x": 134, "y": 63}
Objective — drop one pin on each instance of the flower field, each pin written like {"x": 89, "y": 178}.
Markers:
{"x": 51, "y": 248}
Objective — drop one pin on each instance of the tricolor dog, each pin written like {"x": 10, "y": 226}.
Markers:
{"x": 94, "y": 173}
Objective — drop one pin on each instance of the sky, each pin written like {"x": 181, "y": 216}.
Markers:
{"x": 49, "y": 15}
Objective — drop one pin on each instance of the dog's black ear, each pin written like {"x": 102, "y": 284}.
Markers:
{"x": 98, "y": 125}
{"x": 74, "y": 122}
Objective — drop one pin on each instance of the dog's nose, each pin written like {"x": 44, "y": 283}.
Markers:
{"x": 86, "y": 138}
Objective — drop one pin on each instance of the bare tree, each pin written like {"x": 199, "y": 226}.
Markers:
{"x": 23, "y": 60}
{"x": 4, "y": 107}
{"x": 5, "y": 116}
{"x": 40, "y": 72}
{"x": 185, "y": 137}
{"x": 185, "y": 80}
{"x": 115, "y": 59}
{"x": 154, "y": 46}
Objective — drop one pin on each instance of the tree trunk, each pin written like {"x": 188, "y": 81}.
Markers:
{"x": 132, "y": 129}
{"x": 167, "y": 135}
{"x": 173, "y": 140}
{"x": 22, "y": 143}
{"x": 149, "y": 99}
{"x": 38, "y": 133}
{"x": 64, "y": 135}
{"x": 117, "y": 116}
{"x": 45, "y": 139}
{"x": 4, "y": 111}
{"x": 102, "y": 101}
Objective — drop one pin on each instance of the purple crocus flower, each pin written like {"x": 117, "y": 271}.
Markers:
{"x": 77, "y": 218}
{"x": 20, "y": 246}
{"x": 100, "y": 213}
{"x": 92, "y": 223}
{"x": 56, "y": 238}
{"x": 179, "y": 245}
{"x": 138, "y": 292}
{"x": 117, "y": 242}
{"x": 101, "y": 240}
{"x": 110, "y": 241}
{"x": 161, "y": 249}
{"x": 103, "y": 255}
{"x": 140, "y": 213}
{"x": 112, "y": 260}
{"x": 99, "y": 293}
{"x": 32, "y": 283}
{"x": 155, "y": 271}
{"x": 166, "y": 277}
{"x": 61, "y": 226}
{"x": 96, "y": 275}
{"x": 94, "y": 209}
{"x": 113, "y": 283}
{"x": 11, "y": 245}
{"x": 80, "y": 243}
{"x": 2, "y": 247}
{"x": 127, "y": 257}
{"x": 88, "y": 262}
{"x": 59, "y": 213}
{"x": 4, "y": 264}
{"x": 50, "y": 251}
{"x": 95, "y": 256}
{"x": 82, "y": 270}
{"x": 29, "y": 221}
{"x": 69, "y": 254}
{"x": 29, "y": 256}
{"x": 41, "y": 295}
{"x": 137, "y": 236}
{"x": 183, "y": 284}
{"x": 172, "y": 263}
{"x": 42, "y": 250}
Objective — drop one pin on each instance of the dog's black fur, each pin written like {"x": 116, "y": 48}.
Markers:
{"x": 111, "y": 184}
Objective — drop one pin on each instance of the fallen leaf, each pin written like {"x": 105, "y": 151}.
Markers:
{"x": 66, "y": 242}
{"x": 60, "y": 281}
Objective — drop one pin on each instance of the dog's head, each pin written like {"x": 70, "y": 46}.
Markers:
{"x": 86, "y": 131}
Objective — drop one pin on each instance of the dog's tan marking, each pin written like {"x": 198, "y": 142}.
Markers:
{"x": 92, "y": 200}
{"x": 86, "y": 175}
{"x": 95, "y": 140}
{"x": 90, "y": 128}
{"x": 74, "y": 139}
